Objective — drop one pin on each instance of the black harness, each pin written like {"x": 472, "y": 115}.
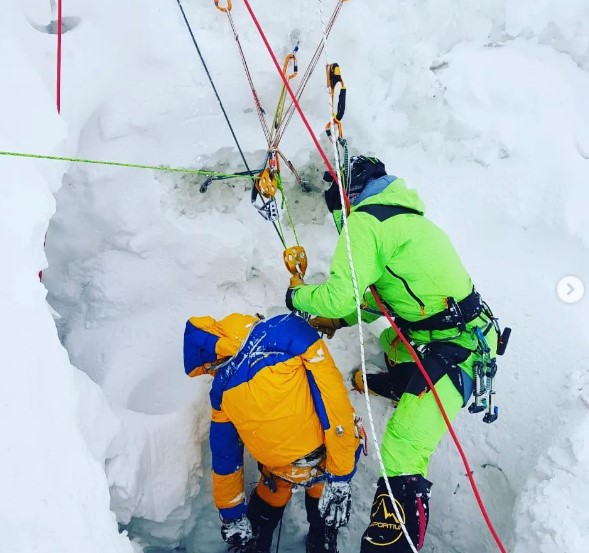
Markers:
{"x": 448, "y": 356}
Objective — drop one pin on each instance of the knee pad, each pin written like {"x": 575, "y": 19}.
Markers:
{"x": 412, "y": 500}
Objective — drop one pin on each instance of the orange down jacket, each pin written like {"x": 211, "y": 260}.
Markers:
{"x": 277, "y": 391}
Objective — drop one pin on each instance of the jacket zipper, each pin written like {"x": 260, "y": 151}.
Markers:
{"x": 408, "y": 289}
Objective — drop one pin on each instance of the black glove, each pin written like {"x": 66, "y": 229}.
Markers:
{"x": 335, "y": 503}
{"x": 288, "y": 299}
{"x": 295, "y": 281}
{"x": 333, "y": 199}
{"x": 237, "y": 532}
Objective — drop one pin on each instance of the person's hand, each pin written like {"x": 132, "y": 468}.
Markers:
{"x": 335, "y": 503}
{"x": 296, "y": 280}
{"x": 237, "y": 532}
{"x": 326, "y": 326}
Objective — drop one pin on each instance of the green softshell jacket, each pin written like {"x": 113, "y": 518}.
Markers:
{"x": 410, "y": 260}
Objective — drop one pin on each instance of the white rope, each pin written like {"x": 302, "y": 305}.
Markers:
{"x": 357, "y": 296}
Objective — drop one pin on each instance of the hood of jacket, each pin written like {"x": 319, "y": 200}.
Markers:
{"x": 207, "y": 341}
{"x": 389, "y": 190}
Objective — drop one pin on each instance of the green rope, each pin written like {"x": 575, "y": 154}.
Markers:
{"x": 129, "y": 165}
{"x": 285, "y": 206}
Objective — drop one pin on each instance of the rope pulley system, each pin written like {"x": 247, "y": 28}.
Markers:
{"x": 267, "y": 181}
{"x": 341, "y": 176}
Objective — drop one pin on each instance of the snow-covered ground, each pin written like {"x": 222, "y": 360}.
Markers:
{"x": 481, "y": 107}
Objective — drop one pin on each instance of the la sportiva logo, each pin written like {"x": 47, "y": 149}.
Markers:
{"x": 384, "y": 518}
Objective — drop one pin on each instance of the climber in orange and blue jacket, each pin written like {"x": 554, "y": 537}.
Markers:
{"x": 276, "y": 391}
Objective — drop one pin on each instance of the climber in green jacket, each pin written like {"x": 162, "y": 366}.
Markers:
{"x": 420, "y": 278}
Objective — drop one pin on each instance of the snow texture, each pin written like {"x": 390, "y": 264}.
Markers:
{"x": 482, "y": 108}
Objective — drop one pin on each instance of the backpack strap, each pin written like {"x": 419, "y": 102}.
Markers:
{"x": 384, "y": 212}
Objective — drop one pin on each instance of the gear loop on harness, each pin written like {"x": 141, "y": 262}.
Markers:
{"x": 224, "y": 9}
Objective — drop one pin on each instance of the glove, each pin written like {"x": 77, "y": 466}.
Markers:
{"x": 335, "y": 503}
{"x": 326, "y": 326}
{"x": 237, "y": 532}
{"x": 332, "y": 197}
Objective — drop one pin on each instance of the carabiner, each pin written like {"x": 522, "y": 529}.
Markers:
{"x": 334, "y": 77}
{"x": 221, "y": 8}
{"x": 338, "y": 125}
{"x": 295, "y": 66}
{"x": 273, "y": 162}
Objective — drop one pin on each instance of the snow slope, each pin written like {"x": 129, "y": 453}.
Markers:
{"x": 482, "y": 109}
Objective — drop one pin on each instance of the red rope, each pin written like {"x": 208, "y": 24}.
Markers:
{"x": 379, "y": 301}
{"x": 59, "y": 26}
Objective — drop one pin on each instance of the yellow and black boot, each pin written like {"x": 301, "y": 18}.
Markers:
{"x": 384, "y": 532}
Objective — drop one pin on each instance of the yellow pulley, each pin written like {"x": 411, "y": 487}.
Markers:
{"x": 267, "y": 183}
{"x": 295, "y": 260}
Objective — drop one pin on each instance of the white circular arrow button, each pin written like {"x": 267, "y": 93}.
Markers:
{"x": 570, "y": 289}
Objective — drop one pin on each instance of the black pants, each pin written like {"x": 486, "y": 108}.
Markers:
{"x": 265, "y": 518}
{"x": 321, "y": 538}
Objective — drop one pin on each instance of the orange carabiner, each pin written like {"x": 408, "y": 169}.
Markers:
{"x": 338, "y": 125}
{"x": 266, "y": 183}
{"x": 221, "y": 8}
{"x": 295, "y": 66}
{"x": 274, "y": 162}
{"x": 334, "y": 78}
{"x": 361, "y": 434}
{"x": 295, "y": 260}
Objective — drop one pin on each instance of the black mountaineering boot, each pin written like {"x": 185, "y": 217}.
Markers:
{"x": 321, "y": 538}
{"x": 264, "y": 519}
